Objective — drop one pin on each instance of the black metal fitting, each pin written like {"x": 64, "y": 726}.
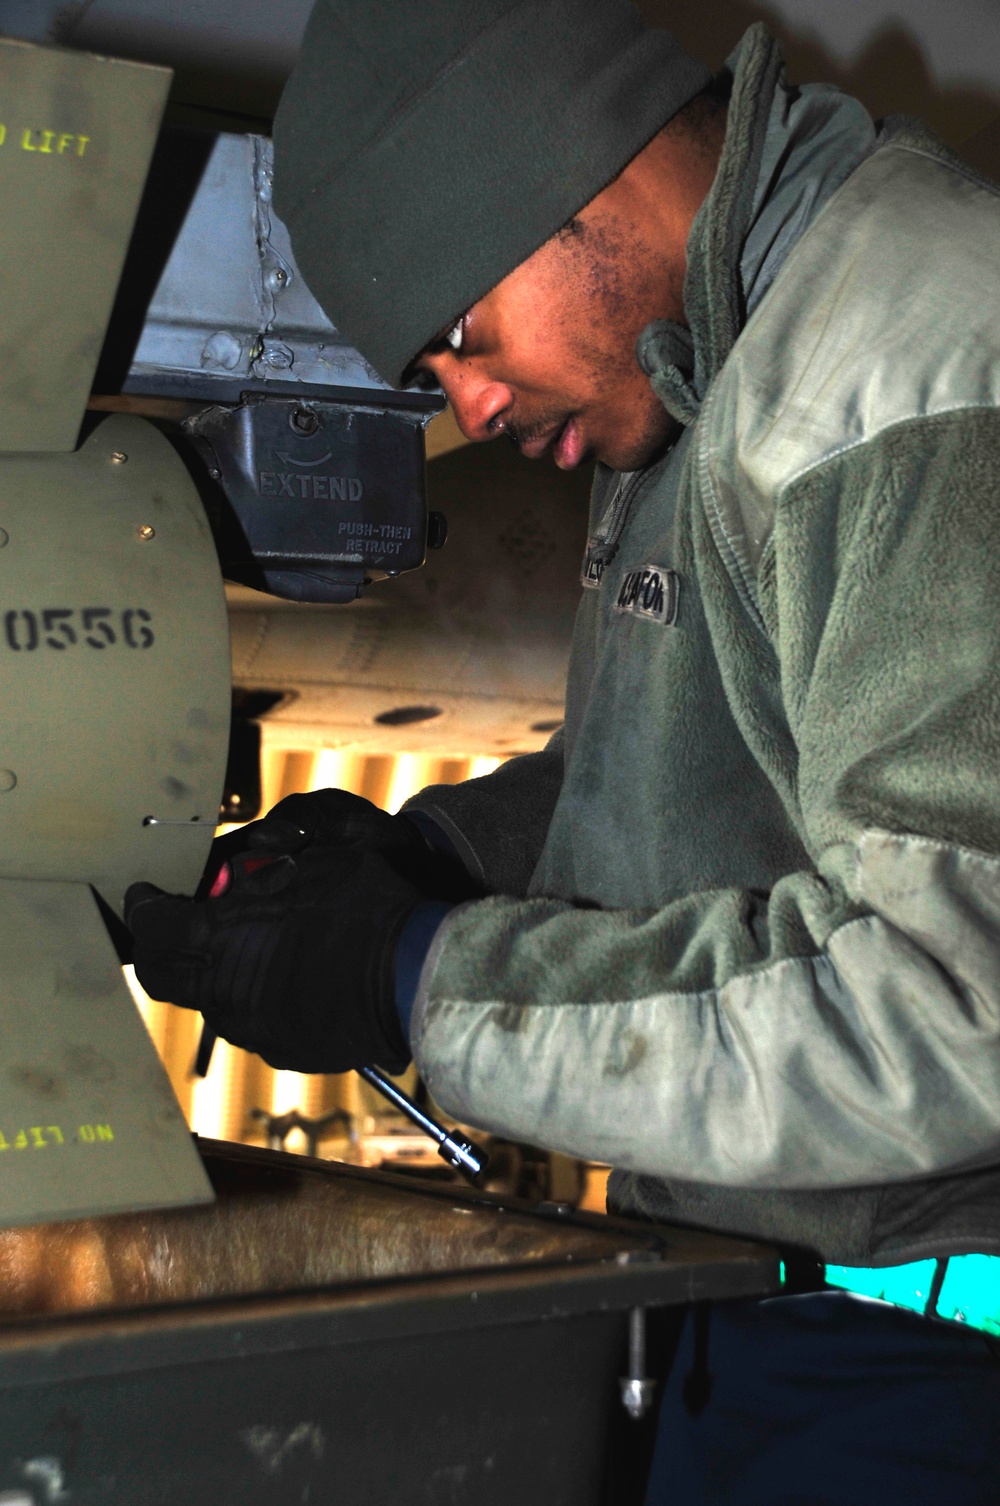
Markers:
{"x": 323, "y": 496}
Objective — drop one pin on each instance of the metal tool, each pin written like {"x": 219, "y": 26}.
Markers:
{"x": 461, "y": 1153}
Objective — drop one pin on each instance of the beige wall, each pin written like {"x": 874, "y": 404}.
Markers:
{"x": 896, "y": 58}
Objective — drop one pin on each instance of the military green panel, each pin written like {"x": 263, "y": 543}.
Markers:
{"x": 76, "y": 136}
{"x": 88, "y": 1121}
{"x": 114, "y": 666}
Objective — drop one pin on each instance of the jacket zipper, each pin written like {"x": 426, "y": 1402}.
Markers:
{"x": 603, "y": 545}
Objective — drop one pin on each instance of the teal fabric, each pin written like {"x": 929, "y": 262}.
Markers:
{"x": 901, "y": 1285}
{"x": 968, "y": 1288}
{"x": 970, "y": 1292}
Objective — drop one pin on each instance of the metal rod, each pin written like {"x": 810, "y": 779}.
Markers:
{"x": 637, "y": 1387}
{"x": 171, "y": 821}
{"x": 461, "y": 1153}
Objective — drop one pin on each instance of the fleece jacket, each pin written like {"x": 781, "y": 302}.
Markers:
{"x": 744, "y": 936}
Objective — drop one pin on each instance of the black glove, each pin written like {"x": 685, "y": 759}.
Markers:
{"x": 296, "y": 961}
{"x": 335, "y": 818}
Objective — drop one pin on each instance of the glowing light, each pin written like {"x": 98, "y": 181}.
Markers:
{"x": 288, "y": 1091}
{"x": 412, "y": 772}
{"x": 334, "y": 770}
{"x": 152, "y": 1012}
{"x": 480, "y": 766}
{"x": 212, "y": 1098}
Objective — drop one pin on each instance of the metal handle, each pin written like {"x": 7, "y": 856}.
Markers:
{"x": 464, "y": 1155}
{"x": 194, "y": 821}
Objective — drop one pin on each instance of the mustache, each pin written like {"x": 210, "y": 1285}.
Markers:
{"x": 519, "y": 433}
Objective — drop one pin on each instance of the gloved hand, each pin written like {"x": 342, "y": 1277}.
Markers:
{"x": 295, "y": 961}
{"x": 337, "y": 819}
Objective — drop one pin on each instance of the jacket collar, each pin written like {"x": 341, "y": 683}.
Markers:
{"x": 786, "y": 152}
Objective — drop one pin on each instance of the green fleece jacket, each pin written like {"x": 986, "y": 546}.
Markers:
{"x": 745, "y": 939}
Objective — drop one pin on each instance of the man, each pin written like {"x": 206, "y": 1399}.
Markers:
{"x": 742, "y": 928}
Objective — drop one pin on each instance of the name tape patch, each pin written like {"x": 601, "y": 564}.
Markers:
{"x": 651, "y": 592}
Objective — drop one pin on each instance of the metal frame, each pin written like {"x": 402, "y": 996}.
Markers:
{"x": 482, "y": 1386}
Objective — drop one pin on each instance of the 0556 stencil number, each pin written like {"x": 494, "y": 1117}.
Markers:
{"x": 68, "y": 627}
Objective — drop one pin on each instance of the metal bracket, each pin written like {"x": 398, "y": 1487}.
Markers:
{"x": 324, "y": 495}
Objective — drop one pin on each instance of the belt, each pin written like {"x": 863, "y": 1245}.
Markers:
{"x": 958, "y": 1288}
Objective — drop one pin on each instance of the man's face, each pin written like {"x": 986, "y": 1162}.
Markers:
{"x": 548, "y": 356}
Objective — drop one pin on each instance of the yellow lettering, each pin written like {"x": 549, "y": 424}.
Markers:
{"x": 104, "y": 1132}
{"x": 61, "y": 144}
{"x": 81, "y": 144}
{"x": 47, "y": 139}
{"x": 26, "y": 145}
{"x": 56, "y": 1133}
{"x": 37, "y": 1137}
{"x": 3, "y": 133}
{"x": 3, "y": 1141}
{"x": 87, "y": 1133}
{"x": 21, "y": 1141}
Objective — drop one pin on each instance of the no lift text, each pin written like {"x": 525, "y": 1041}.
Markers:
{"x": 41, "y": 1136}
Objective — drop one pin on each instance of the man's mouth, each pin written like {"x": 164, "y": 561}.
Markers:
{"x": 565, "y": 440}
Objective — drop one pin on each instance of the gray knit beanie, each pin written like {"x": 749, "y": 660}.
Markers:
{"x": 424, "y": 148}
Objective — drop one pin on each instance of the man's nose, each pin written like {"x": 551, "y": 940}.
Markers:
{"x": 477, "y": 403}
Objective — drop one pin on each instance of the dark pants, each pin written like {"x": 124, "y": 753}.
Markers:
{"x": 827, "y": 1401}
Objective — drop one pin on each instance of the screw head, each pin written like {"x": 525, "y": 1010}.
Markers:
{"x": 118, "y": 457}
{"x": 279, "y": 357}
{"x": 303, "y": 421}
{"x": 146, "y": 531}
{"x": 637, "y": 1395}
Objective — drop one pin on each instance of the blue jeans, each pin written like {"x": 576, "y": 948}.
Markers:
{"x": 826, "y": 1400}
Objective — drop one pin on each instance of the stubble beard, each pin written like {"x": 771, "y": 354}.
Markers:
{"x": 616, "y": 291}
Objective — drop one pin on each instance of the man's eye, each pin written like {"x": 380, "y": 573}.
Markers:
{"x": 454, "y": 335}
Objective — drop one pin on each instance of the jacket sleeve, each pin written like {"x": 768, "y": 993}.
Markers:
{"x": 498, "y": 823}
{"x": 844, "y": 1028}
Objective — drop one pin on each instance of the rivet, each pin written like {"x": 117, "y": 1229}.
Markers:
{"x": 278, "y": 356}
{"x": 146, "y": 531}
{"x": 8, "y": 779}
{"x": 118, "y": 457}
{"x": 4, "y": 537}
